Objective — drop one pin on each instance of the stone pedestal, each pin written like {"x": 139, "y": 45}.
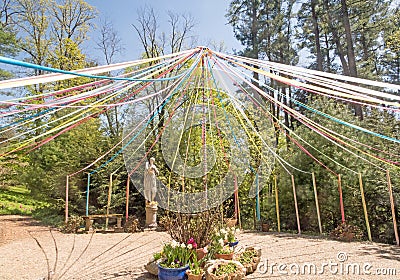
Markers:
{"x": 151, "y": 216}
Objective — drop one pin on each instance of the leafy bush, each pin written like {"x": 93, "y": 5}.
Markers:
{"x": 132, "y": 225}
{"x": 346, "y": 232}
{"x": 73, "y": 224}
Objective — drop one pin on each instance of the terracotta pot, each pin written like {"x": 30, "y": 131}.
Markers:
{"x": 193, "y": 276}
{"x": 265, "y": 227}
{"x": 256, "y": 261}
{"x": 224, "y": 256}
{"x": 200, "y": 253}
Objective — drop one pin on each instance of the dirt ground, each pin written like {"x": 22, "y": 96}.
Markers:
{"x": 31, "y": 251}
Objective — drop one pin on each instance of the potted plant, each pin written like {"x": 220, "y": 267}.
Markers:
{"x": 218, "y": 247}
{"x": 249, "y": 258}
{"x": 265, "y": 225}
{"x": 231, "y": 237}
{"x": 225, "y": 270}
{"x": 175, "y": 259}
{"x": 225, "y": 253}
{"x": 195, "y": 272}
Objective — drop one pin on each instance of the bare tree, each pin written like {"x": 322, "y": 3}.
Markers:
{"x": 8, "y": 13}
{"x": 155, "y": 43}
{"x": 146, "y": 29}
{"x": 181, "y": 27}
{"x": 109, "y": 42}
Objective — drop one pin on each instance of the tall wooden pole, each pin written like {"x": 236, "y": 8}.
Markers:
{"x": 238, "y": 202}
{"x": 87, "y": 194}
{"x": 295, "y": 205}
{"x": 277, "y": 203}
{"x": 127, "y": 199}
{"x": 109, "y": 200}
{"x": 317, "y": 203}
{"x": 341, "y": 198}
{"x": 66, "y": 199}
{"x": 364, "y": 207}
{"x": 396, "y": 234}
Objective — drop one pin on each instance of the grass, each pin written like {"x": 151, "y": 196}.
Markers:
{"x": 17, "y": 200}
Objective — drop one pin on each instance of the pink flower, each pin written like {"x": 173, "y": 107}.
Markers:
{"x": 191, "y": 241}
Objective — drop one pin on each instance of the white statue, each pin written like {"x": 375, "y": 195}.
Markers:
{"x": 150, "y": 181}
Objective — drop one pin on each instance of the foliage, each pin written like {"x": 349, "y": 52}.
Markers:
{"x": 225, "y": 269}
{"x": 230, "y": 235}
{"x": 73, "y": 224}
{"x": 18, "y": 200}
{"x": 195, "y": 267}
{"x": 247, "y": 257}
{"x": 176, "y": 254}
{"x": 346, "y": 232}
{"x": 132, "y": 225}
{"x": 219, "y": 240}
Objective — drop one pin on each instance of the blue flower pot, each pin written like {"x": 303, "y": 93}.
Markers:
{"x": 233, "y": 244}
{"x": 172, "y": 273}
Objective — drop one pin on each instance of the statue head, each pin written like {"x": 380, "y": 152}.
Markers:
{"x": 152, "y": 160}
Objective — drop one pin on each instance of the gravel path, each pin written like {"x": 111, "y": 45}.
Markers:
{"x": 122, "y": 256}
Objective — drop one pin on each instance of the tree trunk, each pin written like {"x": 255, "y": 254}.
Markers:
{"x": 336, "y": 39}
{"x": 350, "y": 51}
{"x": 254, "y": 39}
{"x": 317, "y": 36}
{"x": 328, "y": 58}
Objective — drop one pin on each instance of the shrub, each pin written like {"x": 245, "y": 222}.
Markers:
{"x": 73, "y": 224}
{"x": 346, "y": 232}
{"x": 198, "y": 226}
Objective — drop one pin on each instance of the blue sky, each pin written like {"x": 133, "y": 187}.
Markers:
{"x": 208, "y": 14}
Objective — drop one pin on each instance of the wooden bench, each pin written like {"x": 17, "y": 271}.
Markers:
{"x": 90, "y": 219}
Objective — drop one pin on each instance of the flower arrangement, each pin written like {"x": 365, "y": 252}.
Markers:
{"x": 175, "y": 254}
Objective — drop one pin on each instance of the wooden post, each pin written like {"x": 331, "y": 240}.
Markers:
{"x": 341, "y": 198}
{"x": 127, "y": 199}
{"x": 396, "y": 234}
{"x": 109, "y": 199}
{"x": 87, "y": 195}
{"x": 295, "y": 205}
{"x": 258, "y": 199}
{"x": 66, "y": 199}
{"x": 364, "y": 207}
{"x": 316, "y": 203}
{"x": 277, "y": 204}
{"x": 238, "y": 203}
